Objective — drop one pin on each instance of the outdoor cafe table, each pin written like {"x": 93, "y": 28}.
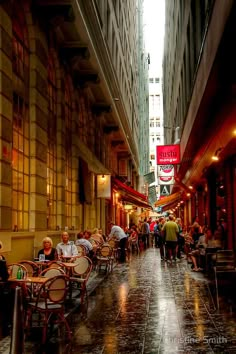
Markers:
{"x": 29, "y": 280}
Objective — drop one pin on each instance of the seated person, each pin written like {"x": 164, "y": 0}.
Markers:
{"x": 87, "y": 245}
{"x": 200, "y": 250}
{"x": 3, "y": 266}
{"x": 96, "y": 236}
{"x": 66, "y": 248}
{"x": 48, "y": 251}
{"x": 188, "y": 245}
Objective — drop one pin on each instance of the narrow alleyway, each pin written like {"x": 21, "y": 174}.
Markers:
{"x": 147, "y": 306}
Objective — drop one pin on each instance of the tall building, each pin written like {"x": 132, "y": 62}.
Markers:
{"x": 199, "y": 100}
{"x": 69, "y": 110}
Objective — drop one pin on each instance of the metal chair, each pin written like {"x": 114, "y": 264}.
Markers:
{"x": 104, "y": 258}
{"x": 51, "y": 272}
{"x": 224, "y": 264}
{"x": 81, "y": 250}
{"x": 48, "y": 309}
{"x": 13, "y": 269}
{"x": 32, "y": 268}
{"x": 80, "y": 275}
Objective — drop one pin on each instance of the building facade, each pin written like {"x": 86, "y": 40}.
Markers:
{"x": 199, "y": 98}
{"x": 69, "y": 110}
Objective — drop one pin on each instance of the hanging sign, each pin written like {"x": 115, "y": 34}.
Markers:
{"x": 165, "y": 170}
{"x": 166, "y": 180}
{"x": 164, "y": 190}
{"x": 103, "y": 186}
{"x": 168, "y": 154}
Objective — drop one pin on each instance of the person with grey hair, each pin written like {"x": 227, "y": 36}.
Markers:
{"x": 50, "y": 253}
{"x": 66, "y": 248}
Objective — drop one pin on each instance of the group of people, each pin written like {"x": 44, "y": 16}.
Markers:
{"x": 175, "y": 241}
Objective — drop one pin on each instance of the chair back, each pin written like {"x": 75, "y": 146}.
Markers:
{"x": 81, "y": 250}
{"x": 225, "y": 260}
{"x": 83, "y": 267}
{"x": 32, "y": 267}
{"x": 13, "y": 269}
{"x": 51, "y": 272}
{"x": 56, "y": 264}
{"x": 112, "y": 243}
{"x": 105, "y": 251}
{"x": 54, "y": 290}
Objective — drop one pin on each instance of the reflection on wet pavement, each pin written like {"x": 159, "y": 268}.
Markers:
{"x": 145, "y": 306}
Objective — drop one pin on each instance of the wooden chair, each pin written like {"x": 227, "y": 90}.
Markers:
{"x": 52, "y": 272}
{"x": 224, "y": 265}
{"x": 81, "y": 250}
{"x": 32, "y": 268}
{"x": 48, "y": 309}
{"x": 80, "y": 275}
{"x": 13, "y": 269}
{"x": 104, "y": 258}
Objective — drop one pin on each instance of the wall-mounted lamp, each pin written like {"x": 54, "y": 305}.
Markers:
{"x": 215, "y": 157}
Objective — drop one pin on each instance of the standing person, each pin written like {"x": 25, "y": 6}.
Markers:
{"x": 180, "y": 242}
{"x": 118, "y": 234}
{"x": 170, "y": 233}
{"x": 145, "y": 233}
{"x": 160, "y": 238}
{"x": 49, "y": 252}
{"x": 66, "y": 248}
{"x": 156, "y": 232}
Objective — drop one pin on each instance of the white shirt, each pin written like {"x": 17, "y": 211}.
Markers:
{"x": 117, "y": 232}
{"x": 67, "y": 250}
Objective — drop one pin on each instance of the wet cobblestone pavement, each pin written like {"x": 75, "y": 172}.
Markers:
{"x": 147, "y": 306}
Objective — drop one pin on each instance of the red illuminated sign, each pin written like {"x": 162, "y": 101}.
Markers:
{"x": 168, "y": 154}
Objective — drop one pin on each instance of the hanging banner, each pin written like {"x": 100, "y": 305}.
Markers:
{"x": 149, "y": 177}
{"x": 103, "y": 186}
{"x": 166, "y": 180}
{"x": 168, "y": 154}
{"x": 165, "y": 170}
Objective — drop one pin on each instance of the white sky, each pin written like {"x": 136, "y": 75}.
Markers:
{"x": 154, "y": 18}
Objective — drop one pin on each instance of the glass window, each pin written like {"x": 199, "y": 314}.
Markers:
{"x": 51, "y": 149}
{"x": 68, "y": 147}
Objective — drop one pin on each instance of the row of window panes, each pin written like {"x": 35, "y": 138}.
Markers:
{"x": 155, "y": 80}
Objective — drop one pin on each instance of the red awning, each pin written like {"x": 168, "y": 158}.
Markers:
{"x": 130, "y": 195}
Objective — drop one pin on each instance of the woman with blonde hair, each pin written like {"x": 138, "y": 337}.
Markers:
{"x": 48, "y": 251}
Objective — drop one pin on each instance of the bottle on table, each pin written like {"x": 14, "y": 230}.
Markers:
{"x": 20, "y": 273}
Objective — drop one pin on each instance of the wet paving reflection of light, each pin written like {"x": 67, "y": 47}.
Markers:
{"x": 145, "y": 306}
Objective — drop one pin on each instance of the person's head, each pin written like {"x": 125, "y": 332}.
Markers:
{"x": 171, "y": 217}
{"x": 47, "y": 242}
{"x": 100, "y": 231}
{"x": 178, "y": 220}
{"x": 65, "y": 237}
{"x": 80, "y": 235}
{"x": 87, "y": 234}
{"x": 208, "y": 233}
{"x": 95, "y": 231}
